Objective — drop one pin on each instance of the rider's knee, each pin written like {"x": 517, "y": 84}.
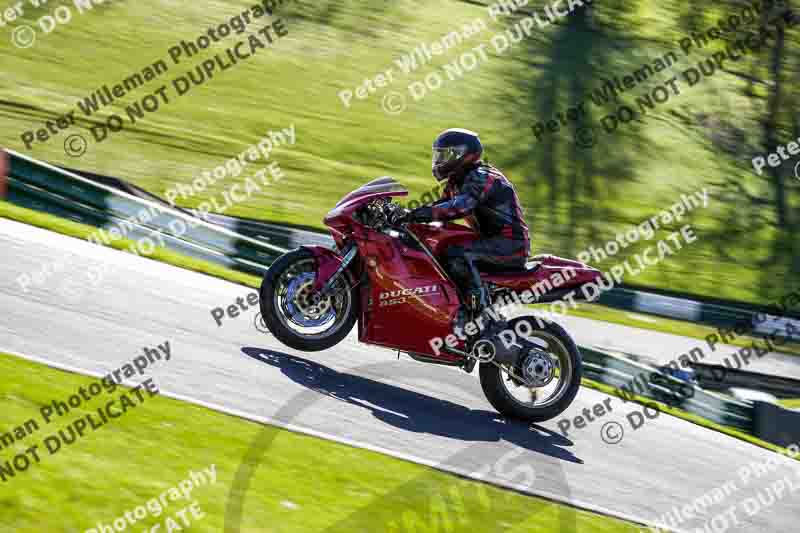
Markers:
{"x": 456, "y": 253}
{"x": 459, "y": 269}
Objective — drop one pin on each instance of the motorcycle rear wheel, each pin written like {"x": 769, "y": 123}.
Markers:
{"x": 496, "y": 382}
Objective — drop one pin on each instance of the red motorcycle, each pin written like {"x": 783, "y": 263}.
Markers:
{"x": 387, "y": 276}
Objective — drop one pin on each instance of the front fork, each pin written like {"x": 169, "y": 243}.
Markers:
{"x": 327, "y": 275}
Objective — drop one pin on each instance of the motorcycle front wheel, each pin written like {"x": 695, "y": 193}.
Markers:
{"x": 291, "y": 314}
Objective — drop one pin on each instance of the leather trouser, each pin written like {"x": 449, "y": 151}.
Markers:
{"x": 465, "y": 261}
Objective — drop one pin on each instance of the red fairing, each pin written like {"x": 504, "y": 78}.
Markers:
{"x": 327, "y": 261}
{"x": 407, "y": 300}
{"x": 545, "y": 274}
{"x": 340, "y": 218}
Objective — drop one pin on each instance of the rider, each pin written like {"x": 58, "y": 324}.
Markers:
{"x": 487, "y": 199}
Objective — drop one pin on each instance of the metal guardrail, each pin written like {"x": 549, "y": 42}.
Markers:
{"x": 46, "y": 187}
{"x": 767, "y": 421}
{"x": 719, "y": 377}
{"x": 632, "y": 377}
{"x": 40, "y": 200}
{"x": 281, "y": 236}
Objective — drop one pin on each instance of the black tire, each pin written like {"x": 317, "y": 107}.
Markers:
{"x": 285, "y": 334}
{"x": 491, "y": 377}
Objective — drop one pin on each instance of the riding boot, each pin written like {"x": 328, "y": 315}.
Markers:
{"x": 478, "y": 299}
{"x": 475, "y": 301}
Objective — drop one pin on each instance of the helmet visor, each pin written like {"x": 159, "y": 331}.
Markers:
{"x": 446, "y": 155}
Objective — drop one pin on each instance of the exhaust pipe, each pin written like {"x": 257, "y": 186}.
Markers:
{"x": 492, "y": 349}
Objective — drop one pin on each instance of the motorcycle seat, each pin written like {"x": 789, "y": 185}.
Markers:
{"x": 506, "y": 270}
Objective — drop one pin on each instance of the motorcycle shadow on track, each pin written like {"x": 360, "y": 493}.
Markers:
{"x": 413, "y": 411}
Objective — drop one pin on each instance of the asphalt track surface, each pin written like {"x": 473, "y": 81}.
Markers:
{"x": 362, "y": 395}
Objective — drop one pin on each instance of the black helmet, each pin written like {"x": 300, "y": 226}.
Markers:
{"x": 455, "y": 151}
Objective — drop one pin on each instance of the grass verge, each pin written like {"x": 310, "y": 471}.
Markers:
{"x": 790, "y": 403}
{"x": 302, "y": 484}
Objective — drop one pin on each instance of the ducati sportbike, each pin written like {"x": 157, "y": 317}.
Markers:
{"x": 387, "y": 276}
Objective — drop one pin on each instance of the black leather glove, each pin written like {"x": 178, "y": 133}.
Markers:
{"x": 400, "y": 216}
{"x": 421, "y": 214}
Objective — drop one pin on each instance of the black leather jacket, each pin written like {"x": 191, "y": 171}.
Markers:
{"x": 487, "y": 199}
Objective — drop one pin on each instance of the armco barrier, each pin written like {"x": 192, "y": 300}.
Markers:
{"x": 769, "y": 422}
{"x": 647, "y": 381}
{"x": 703, "y": 309}
{"x": 719, "y": 377}
{"x": 679, "y": 308}
{"x": 109, "y": 206}
{"x": 281, "y": 236}
{"x": 33, "y": 198}
{"x": 286, "y": 237}
{"x": 3, "y": 174}
{"x": 775, "y": 424}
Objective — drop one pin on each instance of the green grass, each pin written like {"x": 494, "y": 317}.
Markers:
{"x": 301, "y": 484}
{"x": 790, "y": 403}
{"x": 572, "y": 196}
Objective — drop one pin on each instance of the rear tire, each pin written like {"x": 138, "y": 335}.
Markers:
{"x": 491, "y": 377}
{"x": 279, "y": 328}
